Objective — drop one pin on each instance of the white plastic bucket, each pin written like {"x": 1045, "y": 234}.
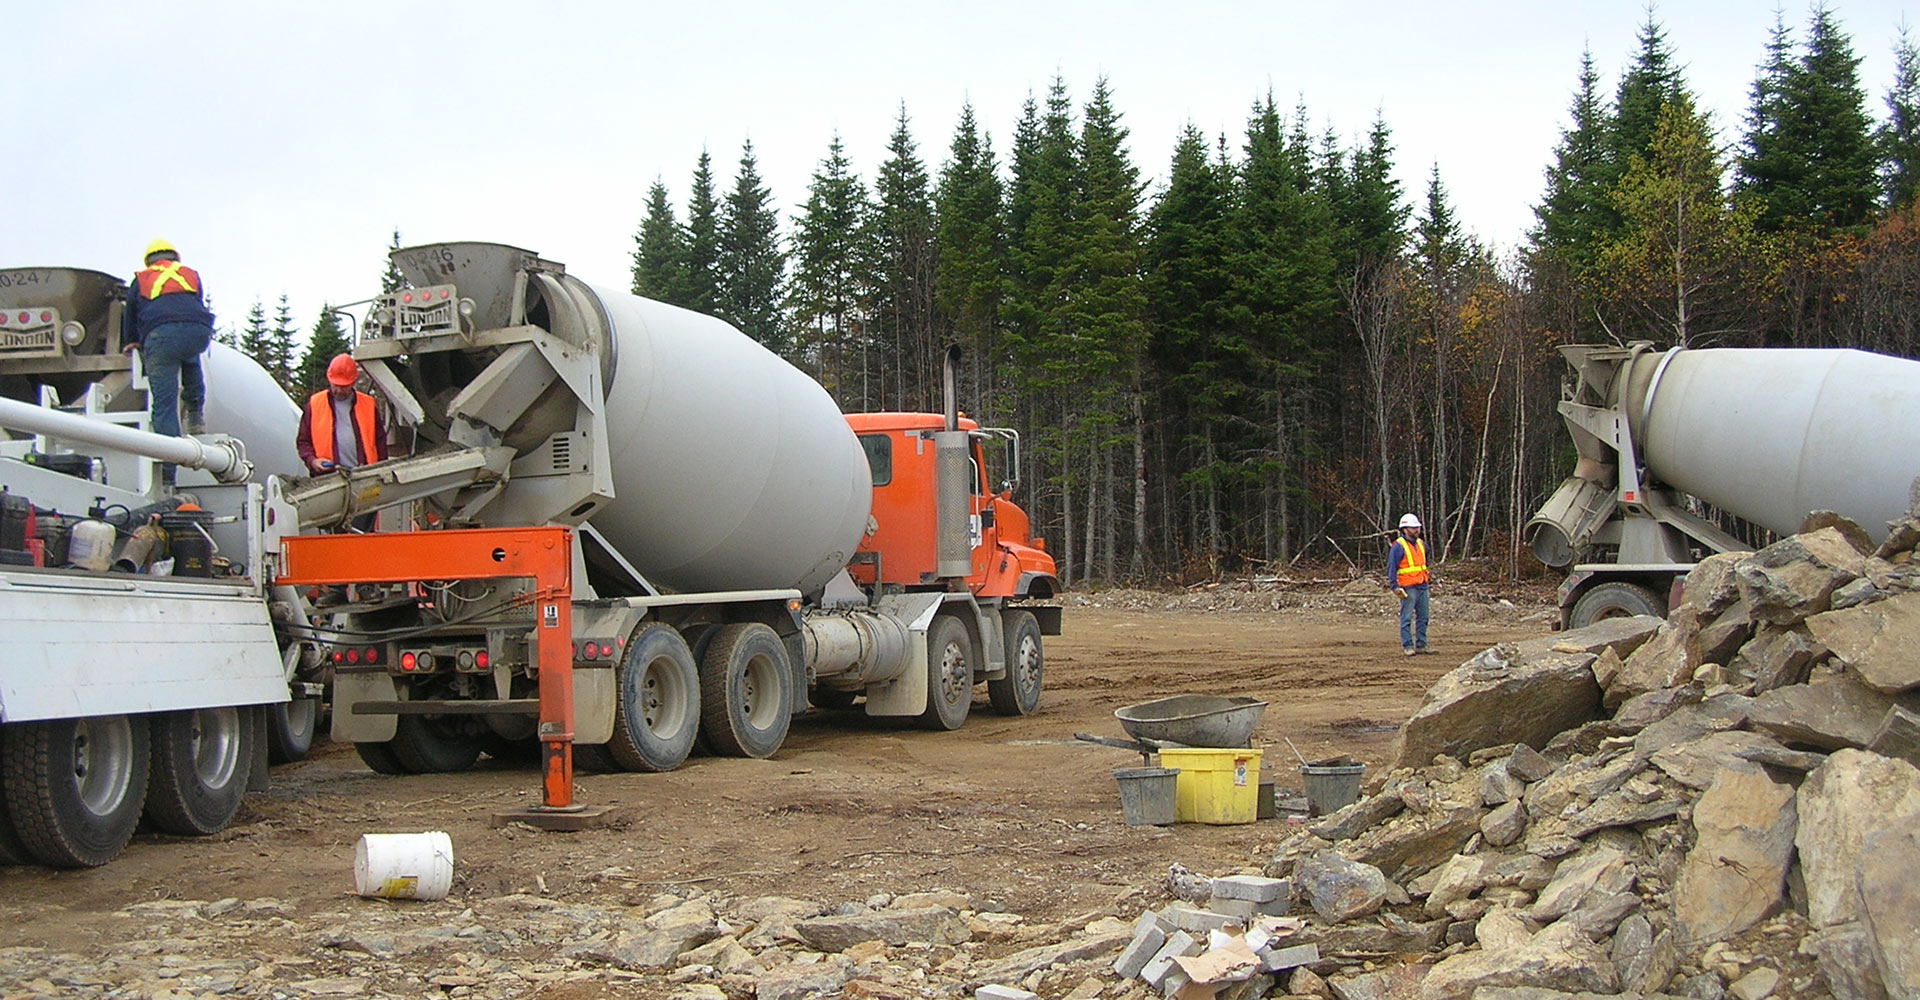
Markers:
{"x": 403, "y": 865}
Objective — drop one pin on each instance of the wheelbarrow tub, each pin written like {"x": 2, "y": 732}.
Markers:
{"x": 1195, "y": 720}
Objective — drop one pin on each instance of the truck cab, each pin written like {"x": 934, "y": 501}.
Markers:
{"x": 899, "y": 549}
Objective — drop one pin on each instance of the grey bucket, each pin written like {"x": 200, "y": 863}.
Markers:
{"x": 1331, "y": 787}
{"x": 1147, "y": 794}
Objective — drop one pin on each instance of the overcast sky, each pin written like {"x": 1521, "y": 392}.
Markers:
{"x": 279, "y": 145}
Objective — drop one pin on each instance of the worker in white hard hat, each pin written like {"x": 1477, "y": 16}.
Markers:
{"x": 1407, "y": 572}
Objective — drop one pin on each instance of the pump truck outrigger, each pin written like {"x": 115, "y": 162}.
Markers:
{"x": 737, "y": 546}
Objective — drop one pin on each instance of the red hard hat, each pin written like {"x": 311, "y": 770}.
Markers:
{"x": 342, "y": 371}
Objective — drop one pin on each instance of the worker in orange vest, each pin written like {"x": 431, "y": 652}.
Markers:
{"x": 1407, "y": 572}
{"x": 167, "y": 321}
{"x": 340, "y": 427}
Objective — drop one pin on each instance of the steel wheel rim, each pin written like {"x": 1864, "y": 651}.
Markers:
{"x": 302, "y": 715}
{"x": 102, "y": 762}
{"x": 216, "y": 745}
{"x": 1026, "y": 664}
{"x": 663, "y": 706}
{"x": 759, "y": 676}
{"x": 955, "y": 677}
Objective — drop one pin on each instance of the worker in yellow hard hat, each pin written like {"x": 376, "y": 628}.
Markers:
{"x": 167, "y": 321}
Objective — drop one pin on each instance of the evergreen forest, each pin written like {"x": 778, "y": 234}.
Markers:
{"x": 1275, "y": 350}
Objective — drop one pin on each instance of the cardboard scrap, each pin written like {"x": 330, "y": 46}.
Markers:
{"x": 1230, "y": 964}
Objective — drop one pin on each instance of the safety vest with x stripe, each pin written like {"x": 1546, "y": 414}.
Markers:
{"x": 167, "y": 277}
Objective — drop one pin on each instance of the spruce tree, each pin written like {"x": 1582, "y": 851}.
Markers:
{"x": 701, "y": 267}
{"x": 1825, "y": 93}
{"x": 659, "y": 250}
{"x": 256, "y": 340}
{"x": 391, "y": 280}
{"x": 1648, "y": 87}
{"x": 969, "y": 242}
{"x": 1899, "y": 137}
{"x": 752, "y": 263}
{"x": 282, "y": 340}
{"x": 831, "y": 277}
{"x": 1204, "y": 365}
{"x": 901, "y": 236}
{"x": 1577, "y": 211}
{"x": 324, "y": 342}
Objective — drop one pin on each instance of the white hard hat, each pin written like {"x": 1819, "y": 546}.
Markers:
{"x": 1409, "y": 521}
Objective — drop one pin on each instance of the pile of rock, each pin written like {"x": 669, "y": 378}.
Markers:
{"x": 1722, "y": 803}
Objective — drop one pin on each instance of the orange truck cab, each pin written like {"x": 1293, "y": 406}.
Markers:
{"x": 900, "y": 547}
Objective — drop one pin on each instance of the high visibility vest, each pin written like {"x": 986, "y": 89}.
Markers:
{"x": 167, "y": 277}
{"x": 320, "y": 422}
{"x": 1413, "y": 562}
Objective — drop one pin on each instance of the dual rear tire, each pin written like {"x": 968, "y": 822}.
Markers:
{"x": 75, "y": 789}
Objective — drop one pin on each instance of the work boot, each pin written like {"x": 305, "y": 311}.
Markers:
{"x": 194, "y": 421}
{"x": 1406, "y": 651}
{"x": 168, "y": 472}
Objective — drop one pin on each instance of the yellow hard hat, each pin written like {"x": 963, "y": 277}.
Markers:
{"x": 158, "y": 246}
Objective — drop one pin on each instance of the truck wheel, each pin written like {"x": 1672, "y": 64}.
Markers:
{"x": 75, "y": 786}
{"x": 380, "y": 757}
{"x": 428, "y": 745}
{"x": 200, "y": 762}
{"x": 950, "y": 660}
{"x": 658, "y": 713}
{"x": 1018, "y": 693}
{"x": 12, "y": 850}
{"x": 1615, "y": 600}
{"x": 744, "y": 695}
{"x": 291, "y": 727}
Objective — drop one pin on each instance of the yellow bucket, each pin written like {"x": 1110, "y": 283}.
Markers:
{"x": 1215, "y": 786}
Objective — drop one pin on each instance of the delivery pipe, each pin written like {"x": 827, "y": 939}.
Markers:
{"x": 224, "y": 457}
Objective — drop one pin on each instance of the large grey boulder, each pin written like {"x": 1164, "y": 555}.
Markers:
{"x": 1666, "y": 660}
{"x": 794, "y": 981}
{"x": 1851, "y": 798}
{"x": 1558, "y": 958}
{"x": 1100, "y": 938}
{"x": 1775, "y": 658}
{"x": 1691, "y": 722}
{"x": 1595, "y": 872}
{"x": 1340, "y": 889}
{"x": 660, "y": 941}
{"x": 1643, "y": 710}
{"x": 1795, "y": 578}
{"x": 1890, "y": 897}
{"x": 1528, "y": 696}
{"x": 1844, "y": 953}
{"x": 1697, "y": 763}
{"x": 1898, "y": 735}
{"x": 1710, "y": 586}
{"x": 1833, "y": 711}
{"x": 1736, "y": 873}
{"x": 935, "y": 924}
{"x": 1879, "y": 641}
{"x": 1415, "y": 841}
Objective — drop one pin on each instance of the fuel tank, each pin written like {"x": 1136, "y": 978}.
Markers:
{"x": 731, "y": 469}
{"x": 1772, "y": 434}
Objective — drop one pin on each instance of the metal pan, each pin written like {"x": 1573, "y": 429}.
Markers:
{"x": 1194, "y": 720}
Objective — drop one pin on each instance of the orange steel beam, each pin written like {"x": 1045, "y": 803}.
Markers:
{"x": 545, "y": 554}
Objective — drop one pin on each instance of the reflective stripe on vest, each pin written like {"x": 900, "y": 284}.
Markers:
{"x": 154, "y": 280}
{"x": 1413, "y": 563}
{"x": 320, "y": 423}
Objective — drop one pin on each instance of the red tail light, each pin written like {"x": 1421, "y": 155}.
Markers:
{"x": 373, "y": 654}
{"x": 353, "y": 656}
{"x": 480, "y": 658}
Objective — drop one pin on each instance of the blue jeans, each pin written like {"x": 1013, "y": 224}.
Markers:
{"x": 171, "y": 356}
{"x": 1412, "y": 607}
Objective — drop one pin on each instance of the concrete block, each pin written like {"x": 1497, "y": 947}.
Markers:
{"x": 1174, "y": 983}
{"x": 1003, "y": 993}
{"x": 1179, "y": 944}
{"x": 1252, "y": 888}
{"x": 1198, "y": 921}
{"x": 1239, "y": 909}
{"x": 1153, "y": 918}
{"x": 1147, "y": 942}
{"x": 1278, "y": 959}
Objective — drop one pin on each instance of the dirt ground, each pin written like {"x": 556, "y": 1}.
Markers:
{"x": 1011, "y": 810}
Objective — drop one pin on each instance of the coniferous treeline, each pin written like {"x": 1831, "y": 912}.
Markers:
{"x": 1278, "y": 350}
